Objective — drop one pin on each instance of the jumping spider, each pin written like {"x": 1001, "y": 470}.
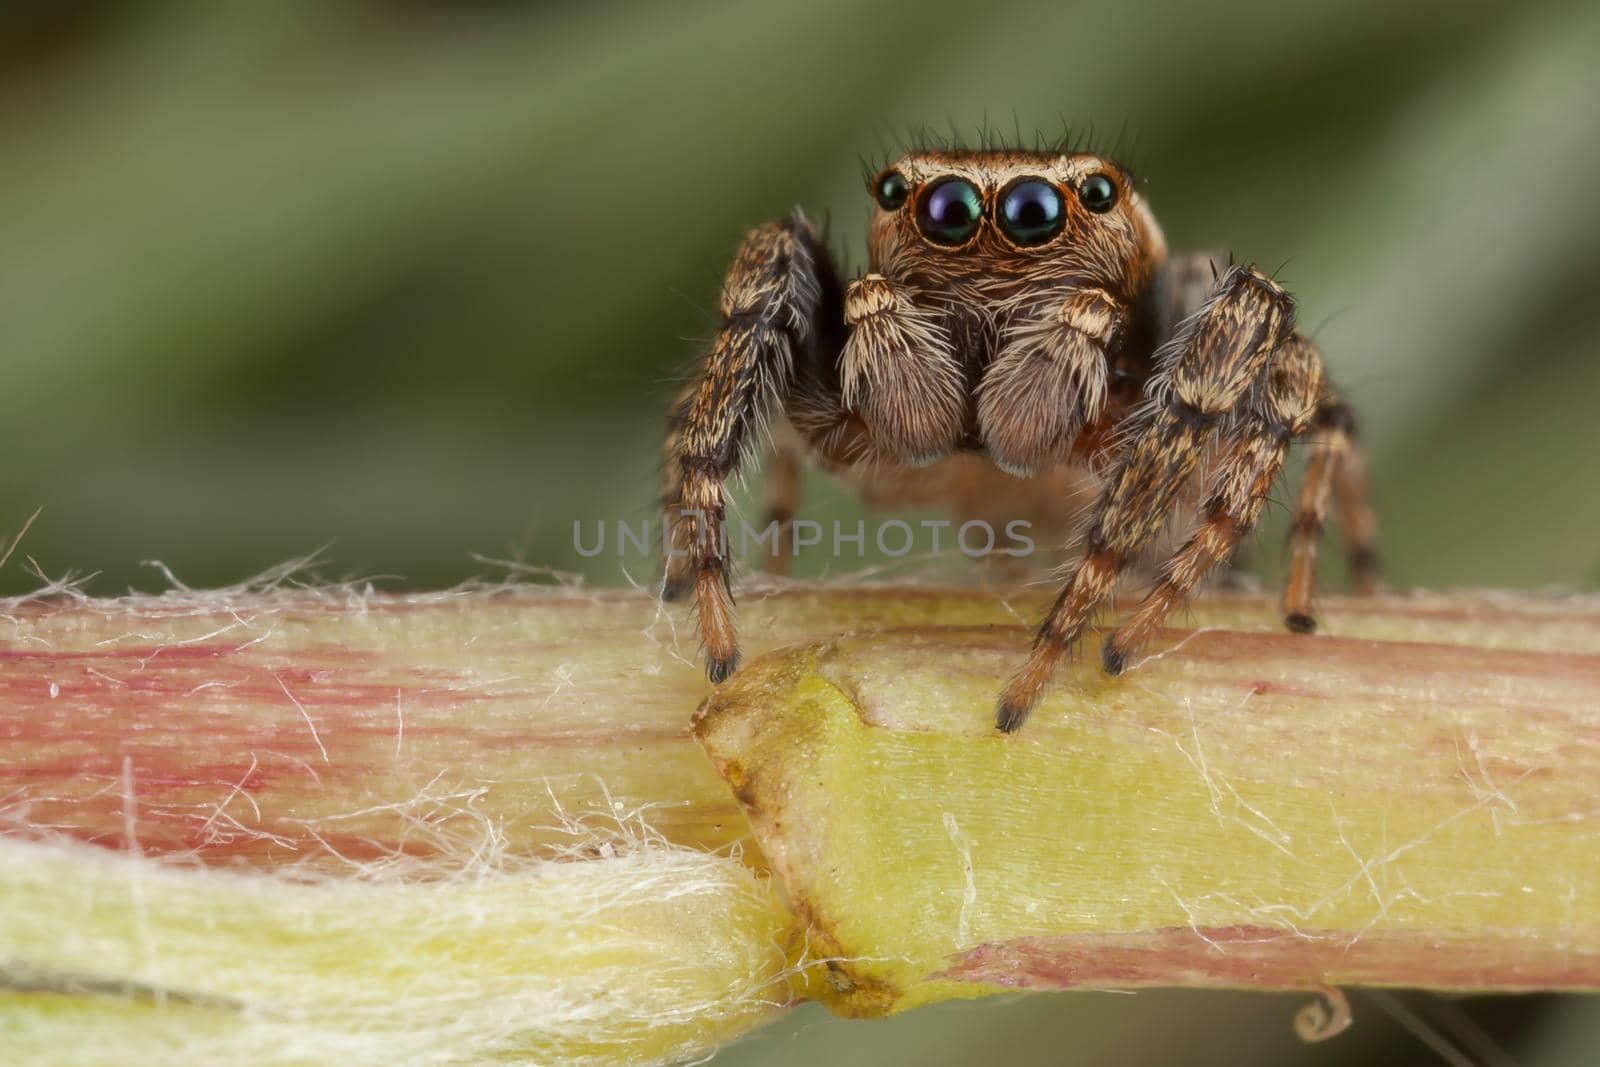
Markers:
{"x": 1021, "y": 331}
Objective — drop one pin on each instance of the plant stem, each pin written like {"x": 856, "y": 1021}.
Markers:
{"x": 476, "y": 825}
{"x": 1411, "y": 802}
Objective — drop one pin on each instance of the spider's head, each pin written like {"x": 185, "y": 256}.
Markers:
{"x": 965, "y": 214}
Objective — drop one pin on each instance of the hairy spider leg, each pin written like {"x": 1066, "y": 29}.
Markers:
{"x": 1203, "y": 373}
{"x": 771, "y": 299}
{"x": 1283, "y": 410}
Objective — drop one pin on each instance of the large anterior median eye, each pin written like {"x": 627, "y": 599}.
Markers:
{"x": 950, "y": 211}
{"x": 1030, "y": 212}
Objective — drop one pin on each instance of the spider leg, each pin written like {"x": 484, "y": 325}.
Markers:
{"x": 1329, "y": 447}
{"x": 772, "y": 307}
{"x": 784, "y": 469}
{"x": 1357, "y": 520}
{"x": 1207, "y": 368}
{"x": 1334, "y": 469}
{"x": 1285, "y": 408}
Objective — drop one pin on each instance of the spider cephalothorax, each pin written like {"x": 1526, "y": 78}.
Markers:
{"x": 1020, "y": 326}
{"x": 985, "y": 254}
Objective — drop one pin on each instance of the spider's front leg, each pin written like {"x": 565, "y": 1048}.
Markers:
{"x": 1203, "y": 374}
{"x": 773, "y": 305}
{"x": 1286, "y": 406}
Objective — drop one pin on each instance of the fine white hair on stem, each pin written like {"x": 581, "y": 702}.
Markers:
{"x": 638, "y": 952}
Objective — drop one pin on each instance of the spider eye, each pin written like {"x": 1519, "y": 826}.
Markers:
{"x": 950, "y": 211}
{"x": 891, "y": 190}
{"x": 1097, "y": 193}
{"x": 1030, "y": 212}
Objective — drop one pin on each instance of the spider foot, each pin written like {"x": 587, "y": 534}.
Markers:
{"x": 676, "y": 587}
{"x": 1009, "y": 717}
{"x": 720, "y": 668}
{"x": 1300, "y": 622}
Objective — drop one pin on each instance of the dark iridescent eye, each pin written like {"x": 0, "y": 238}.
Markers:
{"x": 950, "y": 211}
{"x": 1097, "y": 193}
{"x": 891, "y": 190}
{"x": 1030, "y": 212}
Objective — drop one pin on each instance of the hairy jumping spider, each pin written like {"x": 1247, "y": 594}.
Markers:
{"x": 1021, "y": 331}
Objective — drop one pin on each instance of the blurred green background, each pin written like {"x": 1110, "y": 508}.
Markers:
{"x": 415, "y": 281}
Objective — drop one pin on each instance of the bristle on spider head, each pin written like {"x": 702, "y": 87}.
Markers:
{"x": 986, "y": 137}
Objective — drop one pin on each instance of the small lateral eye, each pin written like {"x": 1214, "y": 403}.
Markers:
{"x": 1031, "y": 212}
{"x": 1098, "y": 193}
{"x": 948, "y": 214}
{"x": 891, "y": 190}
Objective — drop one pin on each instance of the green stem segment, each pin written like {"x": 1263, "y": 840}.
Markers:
{"x": 1410, "y": 803}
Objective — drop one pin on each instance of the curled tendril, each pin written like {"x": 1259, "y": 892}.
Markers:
{"x": 1326, "y": 1016}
